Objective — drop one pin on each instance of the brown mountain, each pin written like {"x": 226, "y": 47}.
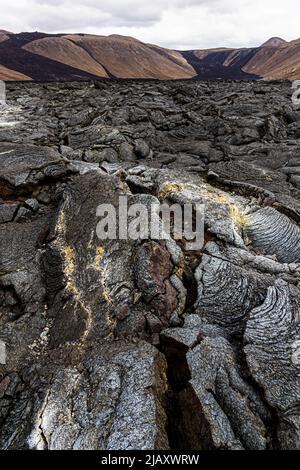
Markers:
{"x": 275, "y": 59}
{"x": 273, "y": 63}
{"x": 75, "y": 57}
{"x": 274, "y": 42}
{"x": 66, "y": 52}
{"x": 126, "y": 57}
{"x": 40, "y": 56}
{"x": 8, "y": 75}
{"x": 4, "y": 35}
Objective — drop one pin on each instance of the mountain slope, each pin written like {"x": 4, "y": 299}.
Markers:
{"x": 126, "y": 57}
{"x": 221, "y": 63}
{"x": 274, "y": 63}
{"x": 274, "y": 42}
{"x": 276, "y": 59}
{"x": 4, "y": 35}
{"x": 66, "y": 52}
{"x": 14, "y": 56}
{"x": 7, "y": 74}
{"x": 48, "y": 57}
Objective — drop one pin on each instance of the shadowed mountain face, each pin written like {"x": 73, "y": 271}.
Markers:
{"x": 40, "y": 56}
{"x": 14, "y": 56}
{"x": 223, "y": 64}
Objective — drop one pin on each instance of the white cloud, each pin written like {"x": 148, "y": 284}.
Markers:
{"x": 180, "y": 24}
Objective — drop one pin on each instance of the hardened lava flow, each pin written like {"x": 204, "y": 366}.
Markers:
{"x": 144, "y": 344}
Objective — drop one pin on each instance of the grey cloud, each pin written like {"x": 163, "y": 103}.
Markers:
{"x": 113, "y": 12}
{"x": 180, "y": 24}
{"x": 54, "y": 14}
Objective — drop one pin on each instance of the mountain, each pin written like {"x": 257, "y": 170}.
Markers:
{"x": 66, "y": 52}
{"x": 7, "y": 74}
{"x": 274, "y": 42}
{"x": 274, "y": 63}
{"x": 76, "y": 57}
{"x": 4, "y": 35}
{"x": 275, "y": 59}
{"x": 221, "y": 63}
{"x": 126, "y": 57}
{"x": 46, "y": 57}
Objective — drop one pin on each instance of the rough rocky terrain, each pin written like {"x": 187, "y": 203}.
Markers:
{"x": 123, "y": 344}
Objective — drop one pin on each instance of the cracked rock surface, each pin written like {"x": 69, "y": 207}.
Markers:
{"x": 143, "y": 343}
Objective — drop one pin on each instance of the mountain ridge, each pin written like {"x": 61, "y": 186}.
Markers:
{"x": 274, "y": 42}
{"x": 46, "y": 57}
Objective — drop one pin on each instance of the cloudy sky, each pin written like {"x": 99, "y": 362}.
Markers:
{"x": 179, "y": 24}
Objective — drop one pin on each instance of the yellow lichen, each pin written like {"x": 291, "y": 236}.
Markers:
{"x": 106, "y": 296}
{"x": 70, "y": 269}
{"x": 111, "y": 323}
{"x": 179, "y": 271}
{"x": 61, "y": 224}
{"x": 99, "y": 255}
{"x": 69, "y": 255}
{"x": 70, "y": 260}
{"x": 170, "y": 188}
{"x": 239, "y": 217}
{"x": 221, "y": 198}
{"x": 136, "y": 297}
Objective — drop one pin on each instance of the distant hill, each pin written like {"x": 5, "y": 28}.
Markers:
{"x": 41, "y": 56}
{"x": 274, "y": 42}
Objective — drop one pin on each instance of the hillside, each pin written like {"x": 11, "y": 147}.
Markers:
{"x": 50, "y": 57}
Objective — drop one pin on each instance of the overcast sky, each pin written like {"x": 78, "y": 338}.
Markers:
{"x": 178, "y": 24}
